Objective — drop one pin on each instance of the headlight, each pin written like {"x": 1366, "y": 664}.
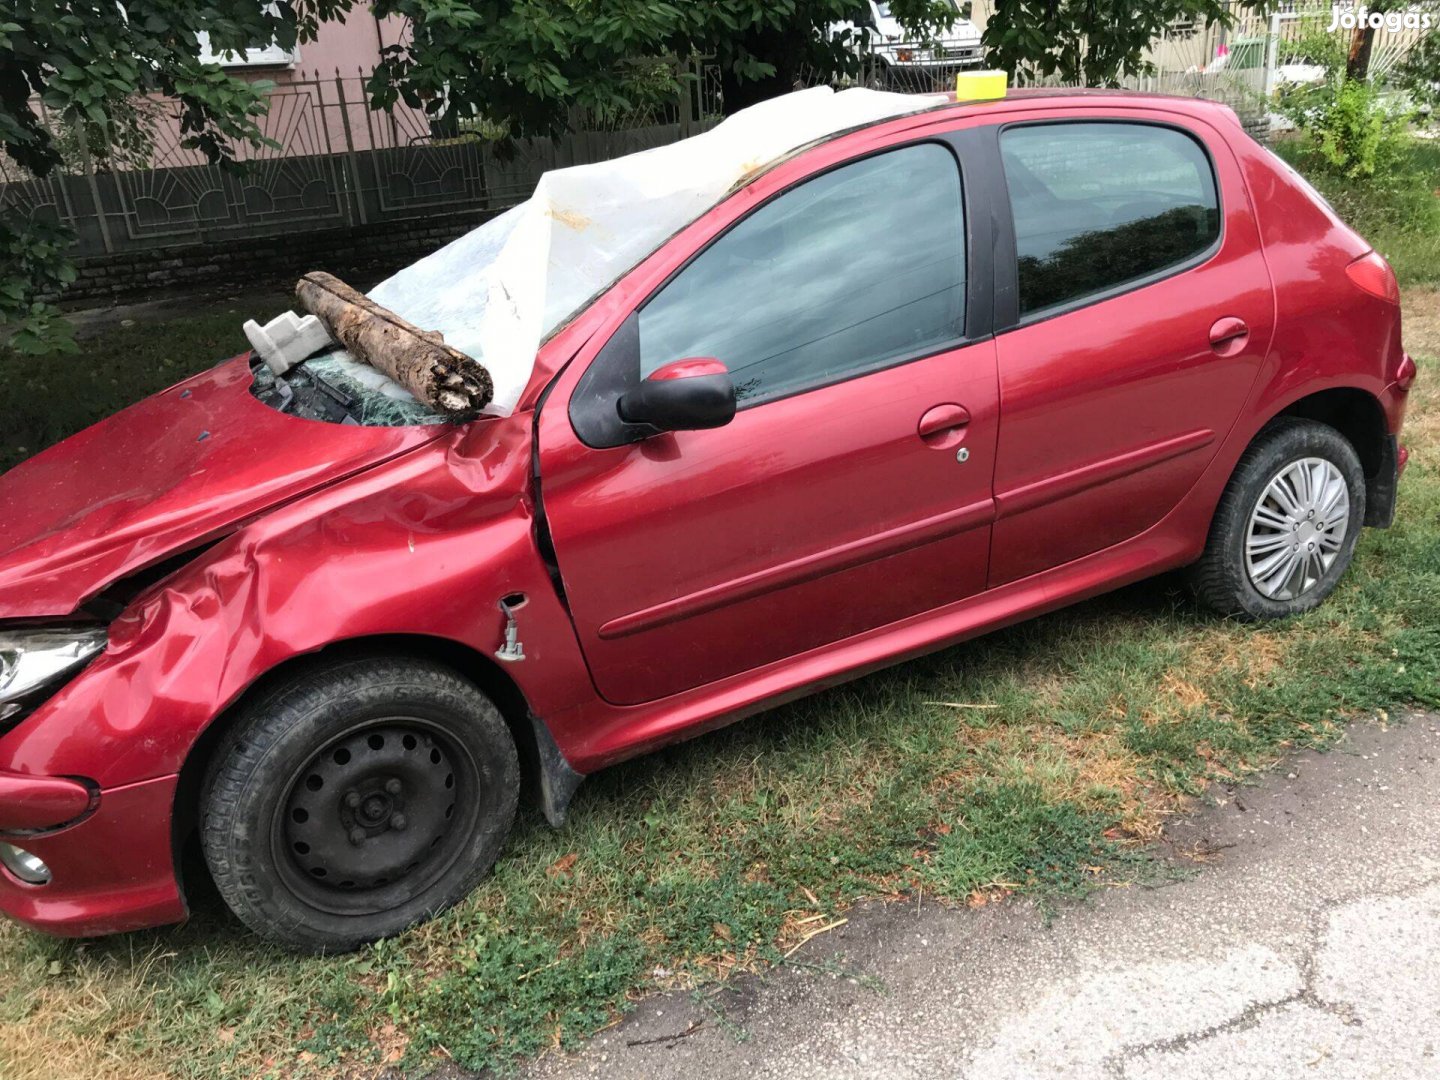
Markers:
{"x": 31, "y": 659}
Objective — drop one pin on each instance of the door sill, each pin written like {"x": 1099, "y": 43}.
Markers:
{"x": 599, "y": 734}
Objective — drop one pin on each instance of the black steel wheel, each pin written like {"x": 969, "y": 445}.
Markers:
{"x": 376, "y": 815}
{"x": 404, "y": 792}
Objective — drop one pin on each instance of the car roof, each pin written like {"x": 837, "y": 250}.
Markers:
{"x": 1060, "y": 97}
{"x": 1028, "y": 98}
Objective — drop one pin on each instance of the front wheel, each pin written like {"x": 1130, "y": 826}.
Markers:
{"x": 357, "y": 799}
{"x": 1287, "y": 524}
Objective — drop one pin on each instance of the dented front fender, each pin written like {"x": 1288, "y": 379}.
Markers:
{"x": 425, "y": 546}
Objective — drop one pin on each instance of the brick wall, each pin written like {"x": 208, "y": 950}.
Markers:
{"x": 363, "y": 254}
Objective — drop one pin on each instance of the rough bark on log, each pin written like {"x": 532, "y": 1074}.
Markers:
{"x": 447, "y": 380}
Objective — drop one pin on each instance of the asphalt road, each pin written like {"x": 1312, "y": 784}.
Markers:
{"x": 1307, "y": 945}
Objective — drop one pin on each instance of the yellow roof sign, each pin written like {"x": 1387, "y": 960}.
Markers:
{"x": 980, "y": 85}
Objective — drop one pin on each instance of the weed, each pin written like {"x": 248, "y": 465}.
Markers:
{"x": 1396, "y": 210}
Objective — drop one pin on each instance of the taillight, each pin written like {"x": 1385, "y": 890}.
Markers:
{"x": 1373, "y": 274}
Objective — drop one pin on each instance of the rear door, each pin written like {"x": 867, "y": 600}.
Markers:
{"x": 851, "y": 489}
{"x": 1140, "y": 311}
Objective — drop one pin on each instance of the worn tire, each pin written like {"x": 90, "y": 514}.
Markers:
{"x": 1221, "y": 579}
{"x": 373, "y": 766}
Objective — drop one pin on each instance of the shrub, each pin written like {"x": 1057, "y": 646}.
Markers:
{"x": 1353, "y": 142}
{"x": 1353, "y": 131}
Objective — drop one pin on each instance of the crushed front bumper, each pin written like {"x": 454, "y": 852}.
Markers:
{"x": 112, "y": 867}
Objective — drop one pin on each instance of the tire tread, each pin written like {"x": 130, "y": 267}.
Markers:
{"x": 1219, "y": 580}
{"x": 241, "y": 756}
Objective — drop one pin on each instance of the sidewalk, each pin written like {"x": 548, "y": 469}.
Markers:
{"x": 1306, "y": 946}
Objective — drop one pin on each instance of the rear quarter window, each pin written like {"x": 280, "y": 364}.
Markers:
{"x": 1098, "y": 205}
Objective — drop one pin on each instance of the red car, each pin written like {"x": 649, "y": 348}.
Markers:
{"x": 921, "y": 380}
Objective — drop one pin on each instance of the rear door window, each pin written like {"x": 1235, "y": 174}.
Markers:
{"x": 1099, "y": 205}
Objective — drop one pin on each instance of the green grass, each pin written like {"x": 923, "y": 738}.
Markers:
{"x": 721, "y": 854}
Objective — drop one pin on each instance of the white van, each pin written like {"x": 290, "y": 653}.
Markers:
{"x": 894, "y": 63}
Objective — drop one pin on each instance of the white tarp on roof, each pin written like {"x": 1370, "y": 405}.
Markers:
{"x": 497, "y": 291}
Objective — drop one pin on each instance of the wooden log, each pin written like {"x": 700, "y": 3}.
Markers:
{"x": 451, "y": 383}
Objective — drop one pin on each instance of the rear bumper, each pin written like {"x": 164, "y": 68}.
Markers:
{"x": 111, "y": 871}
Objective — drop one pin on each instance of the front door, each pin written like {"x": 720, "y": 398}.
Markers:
{"x": 852, "y": 488}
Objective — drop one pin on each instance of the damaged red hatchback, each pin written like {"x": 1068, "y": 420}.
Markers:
{"x": 915, "y": 381}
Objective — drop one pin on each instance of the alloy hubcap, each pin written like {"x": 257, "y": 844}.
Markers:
{"x": 371, "y": 808}
{"x": 1297, "y": 529}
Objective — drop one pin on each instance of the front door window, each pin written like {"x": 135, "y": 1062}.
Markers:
{"x": 857, "y": 269}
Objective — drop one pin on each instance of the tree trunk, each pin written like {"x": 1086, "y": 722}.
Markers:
{"x": 1362, "y": 41}
{"x": 443, "y": 378}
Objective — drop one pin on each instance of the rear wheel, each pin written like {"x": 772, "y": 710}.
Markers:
{"x": 1287, "y": 524}
{"x": 357, "y": 799}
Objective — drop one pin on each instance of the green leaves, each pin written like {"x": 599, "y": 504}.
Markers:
{"x": 1353, "y": 131}
{"x": 1419, "y": 72}
{"x": 1088, "y": 42}
{"x": 524, "y": 66}
{"x": 33, "y": 270}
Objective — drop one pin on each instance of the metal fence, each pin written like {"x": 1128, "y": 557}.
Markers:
{"x": 329, "y": 161}
{"x": 1242, "y": 64}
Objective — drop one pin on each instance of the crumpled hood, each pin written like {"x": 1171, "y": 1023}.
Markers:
{"x": 166, "y": 474}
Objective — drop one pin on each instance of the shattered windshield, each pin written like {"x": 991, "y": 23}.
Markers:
{"x": 334, "y": 388}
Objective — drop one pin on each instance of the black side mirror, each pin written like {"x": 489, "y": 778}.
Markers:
{"x": 684, "y": 395}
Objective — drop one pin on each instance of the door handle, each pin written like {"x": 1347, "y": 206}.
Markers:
{"x": 1228, "y": 335}
{"x": 944, "y": 425}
